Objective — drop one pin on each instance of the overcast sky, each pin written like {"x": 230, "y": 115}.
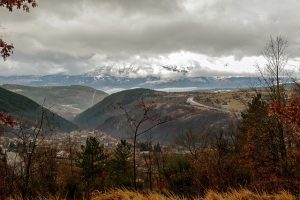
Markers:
{"x": 209, "y": 37}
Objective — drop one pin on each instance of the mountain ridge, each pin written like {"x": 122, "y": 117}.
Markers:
{"x": 67, "y": 101}
{"x": 107, "y": 82}
{"x": 94, "y": 116}
{"x": 22, "y": 107}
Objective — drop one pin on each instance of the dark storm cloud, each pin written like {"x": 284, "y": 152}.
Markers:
{"x": 65, "y": 34}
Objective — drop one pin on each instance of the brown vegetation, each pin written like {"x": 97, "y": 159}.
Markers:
{"x": 211, "y": 195}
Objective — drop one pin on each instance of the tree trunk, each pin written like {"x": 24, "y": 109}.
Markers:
{"x": 134, "y": 161}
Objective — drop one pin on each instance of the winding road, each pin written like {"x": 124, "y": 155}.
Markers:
{"x": 192, "y": 102}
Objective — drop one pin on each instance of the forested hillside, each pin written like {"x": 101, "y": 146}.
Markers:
{"x": 67, "y": 101}
{"x": 95, "y": 116}
{"x": 24, "y": 108}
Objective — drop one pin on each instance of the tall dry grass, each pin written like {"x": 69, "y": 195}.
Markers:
{"x": 211, "y": 195}
{"x": 247, "y": 195}
{"x": 234, "y": 195}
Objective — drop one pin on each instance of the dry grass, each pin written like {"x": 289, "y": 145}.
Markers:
{"x": 234, "y": 195}
{"x": 130, "y": 195}
{"x": 39, "y": 198}
{"x": 247, "y": 195}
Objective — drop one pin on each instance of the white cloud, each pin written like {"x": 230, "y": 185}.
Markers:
{"x": 210, "y": 36}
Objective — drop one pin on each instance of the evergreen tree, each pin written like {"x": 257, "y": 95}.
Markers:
{"x": 179, "y": 174}
{"x": 120, "y": 165}
{"x": 259, "y": 143}
{"x": 157, "y": 148}
{"x": 91, "y": 161}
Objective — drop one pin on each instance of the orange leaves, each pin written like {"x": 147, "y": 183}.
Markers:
{"x": 288, "y": 113}
{"x": 6, "y": 119}
{"x": 6, "y": 49}
{"x": 19, "y": 4}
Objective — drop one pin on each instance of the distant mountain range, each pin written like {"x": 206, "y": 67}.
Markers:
{"x": 110, "y": 83}
{"x": 25, "y": 109}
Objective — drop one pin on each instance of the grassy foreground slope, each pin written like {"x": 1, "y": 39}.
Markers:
{"x": 23, "y": 107}
{"x": 211, "y": 195}
{"x": 67, "y": 101}
{"x": 234, "y": 195}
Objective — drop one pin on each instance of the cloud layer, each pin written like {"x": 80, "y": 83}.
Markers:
{"x": 61, "y": 36}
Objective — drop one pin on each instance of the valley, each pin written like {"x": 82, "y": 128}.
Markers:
{"x": 66, "y": 101}
{"x": 27, "y": 112}
{"x": 202, "y": 112}
{"x": 197, "y": 126}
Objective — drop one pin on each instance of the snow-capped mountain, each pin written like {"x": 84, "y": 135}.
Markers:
{"x": 107, "y": 82}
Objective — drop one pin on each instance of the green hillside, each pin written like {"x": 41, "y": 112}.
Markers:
{"x": 67, "y": 101}
{"x": 24, "y": 108}
{"x": 94, "y": 116}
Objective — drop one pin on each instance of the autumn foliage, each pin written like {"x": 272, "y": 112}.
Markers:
{"x": 6, "y": 119}
{"x": 18, "y": 4}
{"x": 288, "y": 113}
{"x": 6, "y": 49}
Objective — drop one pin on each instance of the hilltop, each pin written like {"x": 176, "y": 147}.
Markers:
{"x": 96, "y": 115}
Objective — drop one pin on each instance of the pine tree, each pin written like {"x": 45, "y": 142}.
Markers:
{"x": 157, "y": 148}
{"x": 120, "y": 165}
{"x": 91, "y": 161}
{"x": 259, "y": 143}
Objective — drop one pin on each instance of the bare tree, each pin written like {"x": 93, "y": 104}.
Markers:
{"x": 148, "y": 159}
{"x": 29, "y": 138}
{"x": 142, "y": 123}
{"x": 193, "y": 142}
{"x": 275, "y": 54}
{"x": 70, "y": 148}
{"x": 276, "y": 60}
